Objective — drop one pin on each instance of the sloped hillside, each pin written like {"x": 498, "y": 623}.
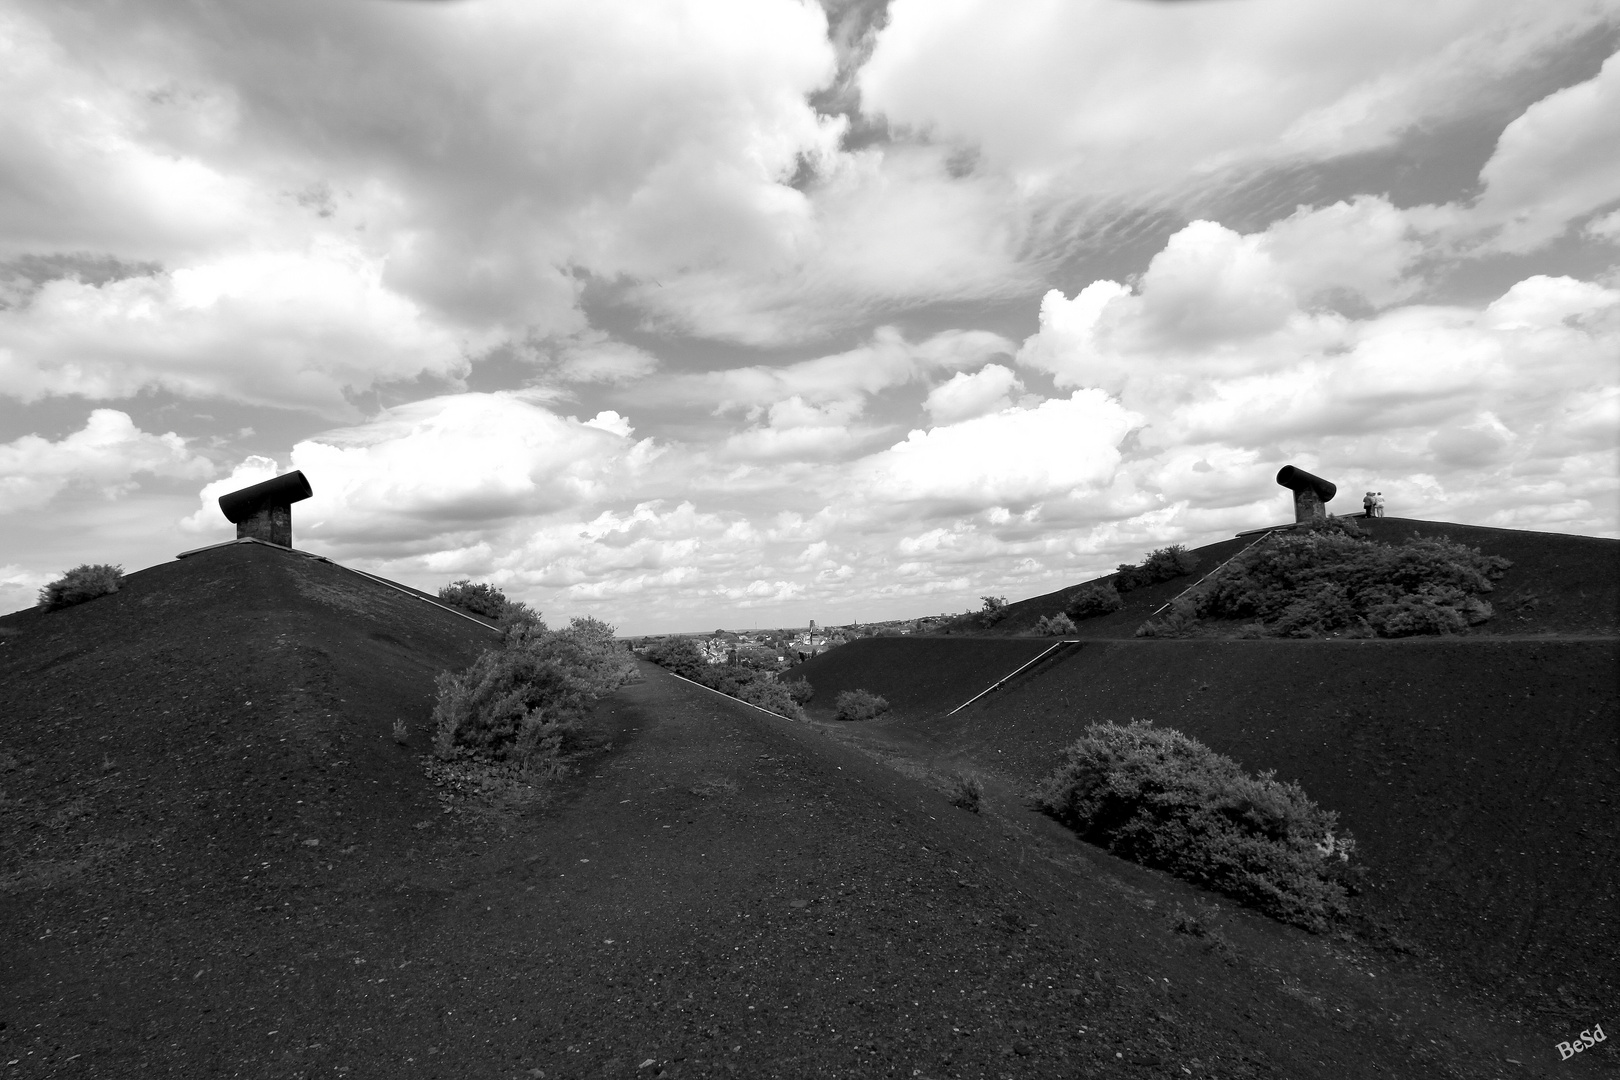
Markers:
{"x": 218, "y": 862}
{"x": 1480, "y": 772}
{"x": 1558, "y": 584}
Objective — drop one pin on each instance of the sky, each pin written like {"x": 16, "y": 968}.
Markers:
{"x": 688, "y": 314}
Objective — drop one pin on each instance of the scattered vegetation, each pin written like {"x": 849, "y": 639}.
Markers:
{"x": 1162, "y": 565}
{"x": 401, "y": 735}
{"x": 1056, "y": 624}
{"x": 482, "y": 598}
{"x": 1097, "y": 598}
{"x": 79, "y": 584}
{"x": 800, "y": 691}
{"x": 1165, "y": 800}
{"x": 520, "y": 704}
{"x": 742, "y": 681}
{"x": 859, "y": 705}
{"x": 993, "y": 611}
{"x": 965, "y": 790}
{"x": 1331, "y": 578}
{"x": 1201, "y": 923}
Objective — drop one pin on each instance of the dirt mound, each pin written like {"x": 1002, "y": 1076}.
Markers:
{"x": 918, "y": 676}
{"x": 1478, "y": 776}
{"x": 1559, "y": 584}
{"x": 217, "y": 862}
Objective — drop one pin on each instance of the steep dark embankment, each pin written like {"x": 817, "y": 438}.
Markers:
{"x": 918, "y": 676}
{"x": 1481, "y": 778}
{"x": 1558, "y": 584}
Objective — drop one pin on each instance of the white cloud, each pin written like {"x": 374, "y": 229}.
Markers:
{"x": 438, "y": 470}
{"x": 965, "y": 396}
{"x": 1122, "y": 98}
{"x": 845, "y": 378}
{"x": 1015, "y": 457}
{"x": 279, "y": 328}
{"x": 1557, "y": 162}
{"x": 106, "y": 456}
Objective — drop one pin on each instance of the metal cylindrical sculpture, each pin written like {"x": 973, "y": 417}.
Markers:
{"x": 264, "y": 511}
{"x": 1311, "y": 493}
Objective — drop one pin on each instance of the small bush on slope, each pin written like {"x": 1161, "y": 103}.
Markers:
{"x": 1057, "y": 624}
{"x": 480, "y": 598}
{"x": 745, "y": 683}
{"x": 800, "y": 691}
{"x": 859, "y": 705}
{"x": 1162, "y": 799}
{"x": 1333, "y": 578}
{"x": 79, "y": 584}
{"x": 522, "y": 702}
{"x": 1097, "y": 598}
{"x": 1162, "y": 565}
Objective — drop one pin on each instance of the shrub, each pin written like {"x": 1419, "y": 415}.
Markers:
{"x": 965, "y": 790}
{"x": 79, "y": 584}
{"x": 524, "y": 699}
{"x": 859, "y": 705}
{"x": 1162, "y": 565}
{"x": 743, "y": 681}
{"x": 1157, "y": 797}
{"x": 1176, "y": 621}
{"x": 993, "y": 611}
{"x": 1056, "y": 624}
{"x": 800, "y": 691}
{"x": 480, "y": 598}
{"x": 1331, "y": 578}
{"x": 680, "y": 655}
{"x": 1097, "y": 598}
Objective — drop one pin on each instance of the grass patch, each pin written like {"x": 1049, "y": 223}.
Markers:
{"x": 79, "y": 584}
{"x": 1160, "y": 798}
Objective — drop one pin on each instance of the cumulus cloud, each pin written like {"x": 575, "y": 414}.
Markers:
{"x": 436, "y": 470}
{"x": 107, "y": 456}
{"x": 1049, "y": 91}
{"x": 889, "y": 360}
{"x": 1557, "y": 162}
{"x": 277, "y": 327}
{"x": 965, "y": 396}
{"x": 1061, "y": 447}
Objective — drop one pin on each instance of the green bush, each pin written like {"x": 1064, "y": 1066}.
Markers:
{"x": 523, "y": 700}
{"x": 79, "y": 584}
{"x": 800, "y": 691}
{"x": 1332, "y": 578}
{"x": 1178, "y": 618}
{"x": 480, "y": 598}
{"x": 1162, "y": 565}
{"x": 1097, "y": 598}
{"x": 1056, "y": 624}
{"x": 743, "y": 681}
{"x": 993, "y": 611}
{"x": 678, "y": 654}
{"x": 1157, "y": 797}
{"x": 859, "y": 705}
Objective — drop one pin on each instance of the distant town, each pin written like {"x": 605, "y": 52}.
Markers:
{"x": 783, "y": 647}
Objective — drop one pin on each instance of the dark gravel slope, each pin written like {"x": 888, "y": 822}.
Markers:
{"x": 919, "y": 676}
{"x": 1480, "y": 777}
{"x": 218, "y": 864}
{"x": 1559, "y": 584}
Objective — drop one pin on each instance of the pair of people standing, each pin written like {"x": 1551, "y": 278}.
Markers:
{"x": 1373, "y": 504}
